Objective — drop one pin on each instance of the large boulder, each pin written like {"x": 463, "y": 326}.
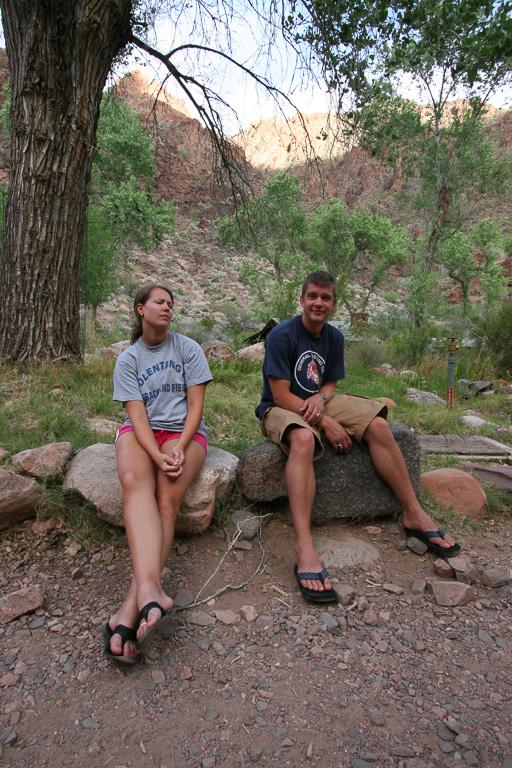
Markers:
{"x": 457, "y": 489}
{"x": 44, "y": 463}
{"x": 19, "y": 497}
{"x": 347, "y": 486}
{"x": 93, "y": 475}
{"x": 215, "y": 481}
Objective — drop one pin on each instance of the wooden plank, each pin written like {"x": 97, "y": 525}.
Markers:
{"x": 464, "y": 445}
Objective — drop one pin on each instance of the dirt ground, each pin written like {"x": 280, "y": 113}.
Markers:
{"x": 390, "y": 679}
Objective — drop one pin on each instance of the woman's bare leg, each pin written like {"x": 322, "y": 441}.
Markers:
{"x": 169, "y": 495}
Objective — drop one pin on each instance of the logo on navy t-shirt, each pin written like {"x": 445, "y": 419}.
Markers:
{"x": 309, "y": 371}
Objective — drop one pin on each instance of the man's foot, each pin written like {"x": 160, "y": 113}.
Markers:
{"x": 308, "y": 563}
{"x": 422, "y": 527}
{"x": 319, "y": 579}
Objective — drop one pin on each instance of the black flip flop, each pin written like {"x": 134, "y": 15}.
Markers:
{"x": 162, "y": 621}
{"x": 125, "y": 633}
{"x": 426, "y": 536}
{"x": 327, "y": 596}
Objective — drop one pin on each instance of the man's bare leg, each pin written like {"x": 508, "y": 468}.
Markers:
{"x": 301, "y": 486}
{"x": 390, "y": 465}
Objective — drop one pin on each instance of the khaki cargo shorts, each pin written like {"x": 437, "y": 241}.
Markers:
{"x": 354, "y": 413}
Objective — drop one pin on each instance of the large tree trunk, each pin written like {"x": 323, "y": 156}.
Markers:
{"x": 60, "y": 53}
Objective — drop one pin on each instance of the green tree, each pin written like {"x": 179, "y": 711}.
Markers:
{"x": 122, "y": 207}
{"x": 358, "y": 248}
{"x": 450, "y": 50}
{"x": 271, "y": 229}
{"x": 60, "y": 54}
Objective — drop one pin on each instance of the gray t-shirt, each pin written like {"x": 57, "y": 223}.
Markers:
{"x": 159, "y": 377}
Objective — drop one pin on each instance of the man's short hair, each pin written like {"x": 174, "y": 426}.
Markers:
{"x": 320, "y": 277}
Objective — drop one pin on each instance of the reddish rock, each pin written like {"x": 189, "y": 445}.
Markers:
{"x": 44, "y": 463}
{"x": 227, "y": 617}
{"x": 463, "y": 569}
{"x": 345, "y": 593}
{"x": 456, "y": 489}
{"x": 17, "y": 603}
{"x": 218, "y": 352}
{"x": 450, "y": 593}
{"x": 18, "y": 498}
{"x": 442, "y": 568}
{"x": 43, "y": 527}
{"x": 497, "y": 577}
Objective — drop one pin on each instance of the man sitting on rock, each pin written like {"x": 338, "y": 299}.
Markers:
{"x": 303, "y": 361}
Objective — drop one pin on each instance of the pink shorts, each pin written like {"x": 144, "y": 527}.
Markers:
{"x": 163, "y": 435}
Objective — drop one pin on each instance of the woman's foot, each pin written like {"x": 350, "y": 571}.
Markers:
{"x": 127, "y": 616}
{"x": 155, "y": 610}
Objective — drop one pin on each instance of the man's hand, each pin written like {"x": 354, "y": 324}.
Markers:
{"x": 312, "y": 410}
{"x": 336, "y": 435}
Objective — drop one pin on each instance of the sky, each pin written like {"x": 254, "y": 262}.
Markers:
{"x": 250, "y": 103}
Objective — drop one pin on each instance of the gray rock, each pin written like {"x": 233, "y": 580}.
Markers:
{"x": 245, "y": 521}
{"x": 348, "y": 486}
{"x": 18, "y": 498}
{"x": 256, "y": 352}
{"x": 93, "y": 475}
{"x": 423, "y": 398}
{"x": 416, "y": 546}
{"x": 44, "y": 463}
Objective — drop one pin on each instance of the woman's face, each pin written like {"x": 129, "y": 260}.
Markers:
{"x": 157, "y": 311}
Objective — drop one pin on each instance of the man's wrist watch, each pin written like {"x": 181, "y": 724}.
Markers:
{"x": 322, "y": 395}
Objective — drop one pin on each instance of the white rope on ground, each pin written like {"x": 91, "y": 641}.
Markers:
{"x": 231, "y": 544}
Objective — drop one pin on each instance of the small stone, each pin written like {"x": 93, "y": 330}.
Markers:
{"x": 471, "y": 759}
{"x": 90, "y": 723}
{"x": 497, "y": 577}
{"x": 208, "y": 762}
{"x": 373, "y": 530}
{"x": 345, "y": 594}
{"x": 245, "y": 545}
{"x": 211, "y": 714}
{"x": 450, "y": 593}
{"x": 442, "y": 568}
{"x": 158, "y": 676}
{"x": 249, "y": 612}
{"x": 328, "y": 620}
{"x": 227, "y": 617}
{"x": 446, "y": 747}
{"x": 418, "y": 586}
{"x": 416, "y": 546}
{"x": 370, "y": 618}
{"x": 393, "y": 588}
{"x": 402, "y": 752}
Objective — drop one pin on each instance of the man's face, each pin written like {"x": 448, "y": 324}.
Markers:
{"x": 318, "y": 302}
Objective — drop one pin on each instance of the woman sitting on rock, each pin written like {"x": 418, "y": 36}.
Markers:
{"x": 161, "y": 380}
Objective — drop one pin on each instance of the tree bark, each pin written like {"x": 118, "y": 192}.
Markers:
{"x": 60, "y": 53}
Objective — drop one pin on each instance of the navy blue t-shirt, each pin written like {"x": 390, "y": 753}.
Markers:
{"x": 292, "y": 353}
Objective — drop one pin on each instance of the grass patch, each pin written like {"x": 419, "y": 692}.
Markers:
{"x": 77, "y": 517}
